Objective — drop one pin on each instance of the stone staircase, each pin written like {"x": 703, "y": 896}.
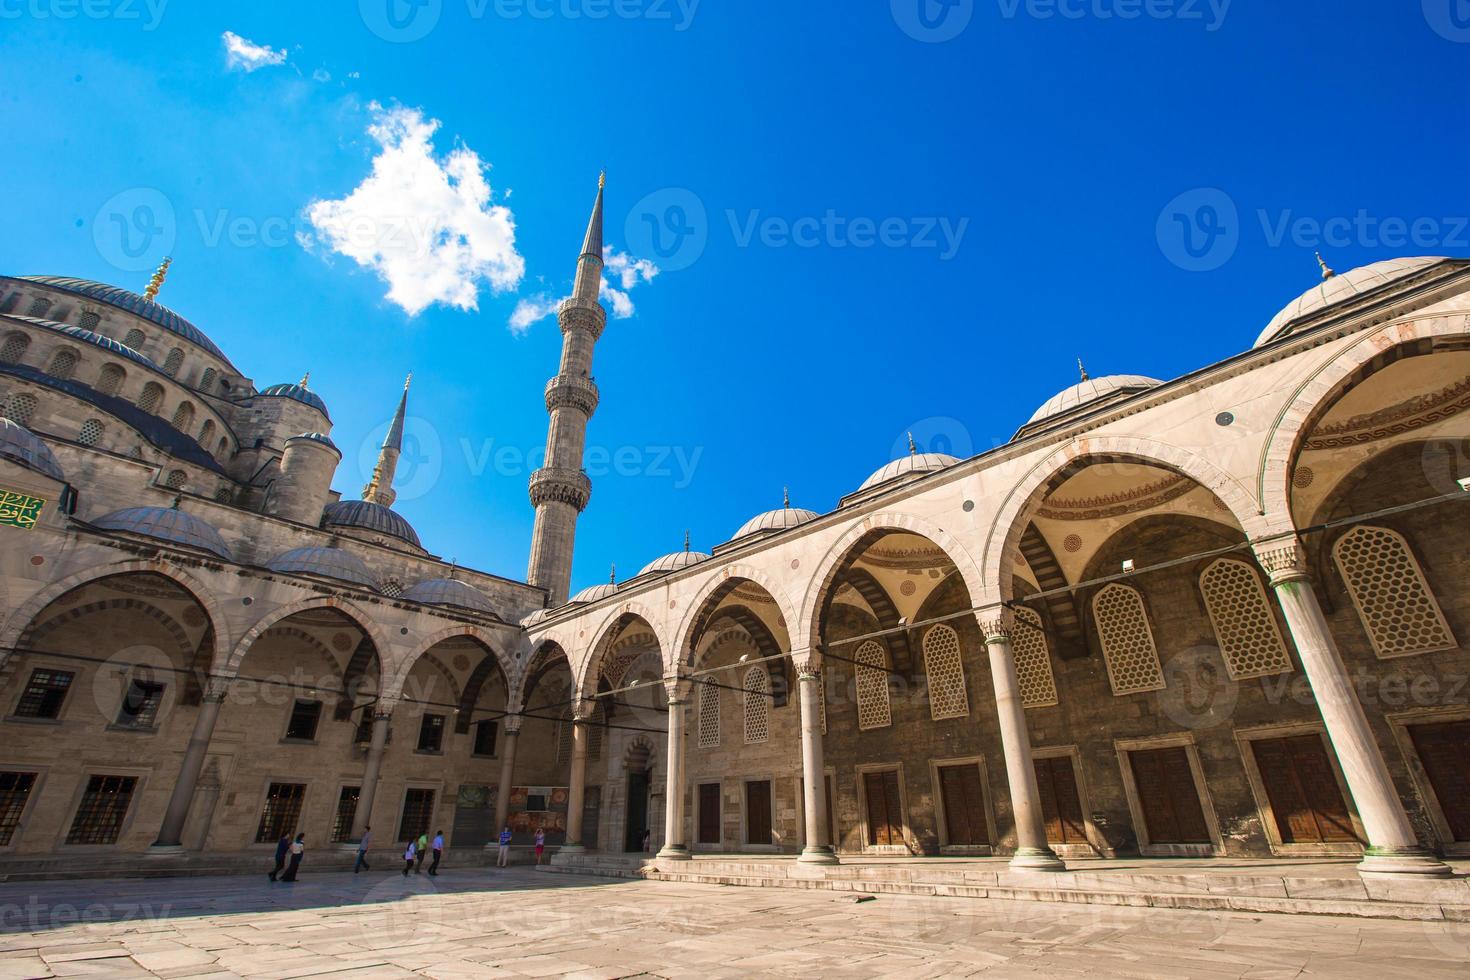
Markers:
{"x": 51, "y": 867}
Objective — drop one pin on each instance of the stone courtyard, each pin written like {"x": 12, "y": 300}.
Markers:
{"x": 518, "y": 923}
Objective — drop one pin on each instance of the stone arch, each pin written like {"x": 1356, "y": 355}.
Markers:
{"x": 1004, "y": 538}
{"x": 34, "y": 633}
{"x": 584, "y": 675}
{"x": 1321, "y": 389}
{"x": 32, "y": 607}
{"x": 317, "y": 646}
{"x": 393, "y": 683}
{"x": 728, "y": 577}
{"x": 546, "y": 654}
{"x": 231, "y": 665}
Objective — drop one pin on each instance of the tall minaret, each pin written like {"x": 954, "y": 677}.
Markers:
{"x": 380, "y": 488}
{"x": 560, "y": 490}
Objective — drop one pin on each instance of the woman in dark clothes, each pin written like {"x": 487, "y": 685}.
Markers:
{"x": 298, "y": 848}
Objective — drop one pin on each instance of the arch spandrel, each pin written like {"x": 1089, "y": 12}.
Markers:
{"x": 348, "y": 608}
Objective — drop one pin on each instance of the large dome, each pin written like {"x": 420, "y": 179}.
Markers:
{"x": 674, "y": 562}
{"x": 1092, "y": 390}
{"x": 914, "y": 463}
{"x": 297, "y": 392}
{"x": 448, "y": 592}
{"x": 1341, "y": 288}
{"x": 88, "y": 337}
{"x": 370, "y": 517}
{"x": 325, "y": 562}
{"x": 20, "y": 445}
{"x": 775, "y": 520}
{"x": 133, "y": 303}
{"x": 167, "y": 524}
{"x": 594, "y": 593}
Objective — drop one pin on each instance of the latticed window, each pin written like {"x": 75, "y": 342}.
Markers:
{"x": 15, "y": 792}
{"x": 63, "y": 364}
{"x": 1033, "y": 660}
{"x": 44, "y": 694}
{"x": 346, "y": 813}
{"x": 1394, "y": 601}
{"x": 134, "y": 339}
{"x": 183, "y": 419}
{"x": 709, "y": 715}
{"x": 21, "y": 408}
{"x": 418, "y": 812}
{"x": 224, "y": 447}
{"x": 110, "y": 380}
{"x": 103, "y": 808}
{"x": 14, "y": 348}
{"x": 90, "y": 432}
{"x": 176, "y": 479}
{"x": 946, "y": 672}
{"x": 152, "y": 397}
{"x": 874, "y": 707}
{"x": 89, "y": 320}
{"x": 596, "y": 728}
{"x": 280, "y": 813}
{"x": 564, "y": 736}
{"x": 8, "y": 304}
{"x": 757, "y": 705}
{"x": 39, "y": 307}
{"x": 1127, "y": 641}
{"x": 822, "y": 702}
{"x": 393, "y": 588}
{"x": 1250, "y": 641}
{"x": 206, "y": 432}
{"x": 206, "y": 380}
{"x": 173, "y": 362}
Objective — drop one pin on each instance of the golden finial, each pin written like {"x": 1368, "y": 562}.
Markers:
{"x": 304, "y": 379}
{"x": 1327, "y": 272}
{"x": 156, "y": 283}
{"x": 786, "y": 497}
{"x": 602, "y": 180}
{"x": 913, "y": 449}
{"x": 408, "y": 381}
{"x": 1082, "y": 370}
{"x": 612, "y": 579}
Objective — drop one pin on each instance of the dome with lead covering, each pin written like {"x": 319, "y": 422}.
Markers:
{"x": 318, "y": 437}
{"x": 1335, "y": 289}
{"x": 331, "y": 563}
{"x": 914, "y": 463}
{"x": 296, "y": 392}
{"x": 1091, "y": 390}
{"x": 88, "y": 337}
{"x": 775, "y": 520}
{"x": 674, "y": 562}
{"x": 448, "y": 592}
{"x": 133, "y": 303}
{"x": 167, "y": 524}
{"x": 594, "y": 593}
{"x": 20, "y": 445}
{"x": 365, "y": 516}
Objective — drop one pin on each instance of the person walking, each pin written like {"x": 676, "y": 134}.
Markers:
{"x": 423, "y": 852}
{"x": 362, "y": 849}
{"x": 540, "y": 843}
{"x": 298, "y": 850}
{"x": 408, "y": 857}
{"x": 283, "y": 847}
{"x": 438, "y": 846}
{"x": 504, "y": 848}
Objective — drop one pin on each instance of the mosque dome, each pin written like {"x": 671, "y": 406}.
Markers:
{"x": 320, "y": 437}
{"x": 448, "y": 592}
{"x": 88, "y": 337}
{"x": 297, "y": 392}
{"x": 167, "y": 524}
{"x": 132, "y": 303}
{"x": 1336, "y": 289}
{"x": 775, "y": 520}
{"x": 674, "y": 562}
{"x": 535, "y": 617}
{"x": 594, "y": 593}
{"x": 914, "y": 463}
{"x": 1091, "y": 390}
{"x": 369, "y": 517}
{"x": 326, "y": 563}
{"x": 20, "y": 445}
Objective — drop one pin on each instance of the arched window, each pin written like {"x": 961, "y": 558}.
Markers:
{"x": 90, "y": 432}
{"x": 1033, "y": 661}
{"x": 183, "y": 419}
{"x": 709, "y": 715}
{"x": 14, "y": 348}
{"x": 1394, "y": 601}
{"x": 176, "y": 479}
{"x": 1127, "y": 641}
{"x": 63, "y": 364}
{"x": 564, "y": 737}
{"x": 1249, "y": 638}
{"x": 89, "y": 320}
{"x": 174, "y": 361}
{"x": 206, "y": 432}
{"x": 110, "y": 379}
{"x": 39, "y": 307}
{"x": 21, "y": 408}
{"x": 8, "y": 304}
{"x": 946, "y": 672}
{"x": 757, "y": 705}
{"x": 207, "y": 379}
{"x": 223, "y": 449}
{"x": 135, "y": 339}
{"x": 152, "y": 397}
{"x": 874, "y": 707}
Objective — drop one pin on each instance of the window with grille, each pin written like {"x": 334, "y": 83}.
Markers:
{"x": 134, "y": 339}
{"x": 223, "y": 447}
{"x": 21, "y": 408}
{"x": 206, "y": 432}
{"x": 305, "y": 715}
{"x": 176, "y": 479}
{"x": 63, "y": 365}
{"x": 873, "y": 705}
{"x": 8, "y": 304}
{"x": 346, "y": 813}
{"x": 822, "y": 701}
{"x": 757, "y": 688}
{"x": 39, "y": 307}
{"x": 596, "y": 728}
{"x": 281, "y": 812}
{"x": 44, "y": 694}
{"x": 152, "y": 397}
{"x": 15, "y": 792}
{"x": 110, "y": 379}
{"x": 173, "y": 362}
{"x": 1033, "y": 661}
{"x": 364, "y": 727}
{"x": 90, "y": 432}
{"x": 139, "y": 708}
{"x": 946, "y": 672}
{"x": 207, "y": 379}
{"x": 564, "y": 736}
{"x": 183, "y": 419}
{"x": 1393, "y": 599}
{"x": 418, "y": 811}
{"x": 1250, "y": 641}
{"x": 393, "y": 588}
{"x": 485, "y": 735}
{"x": 709, "y": 715}
{"x": 89, "y": 320}
{"x": 1127, "y": 641}
{"x": 14, "y": 348}
{"x": 431, "y": 733}
{"x": 103, "y": 808}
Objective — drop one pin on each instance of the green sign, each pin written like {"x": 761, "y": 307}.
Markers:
{"x": 19, "y": 509}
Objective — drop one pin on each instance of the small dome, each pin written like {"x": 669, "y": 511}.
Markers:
{"x": 1092, "y": 390}
{"x": 20, "y": 445}
{"x": 775, "y": 520}
{"x": 133, "y": 303}
{"x": 674, "y": 562}
{"x": 167, "y": 524}
{"x": 594, "y": 593}
{"x": 370, "y": 517}
{"x": 910, "y": 464}
{"x": 296, "y": 392}
{"x": 1339, "y": 289}
{"x": 448, "y": 592}
{"x": 88, "y": 337}
{"x": 319, "y": 437}
{"x": 535, "y": 617}
{"x": 325, "y": 562}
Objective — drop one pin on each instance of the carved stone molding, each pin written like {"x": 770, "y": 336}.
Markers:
{"x": 566, "y": 390}
{"x": 562, "y": 485}
{"x": 996, "y": 624}
{"x": 581, "y": 314}
{"x": 1284, "y": 560}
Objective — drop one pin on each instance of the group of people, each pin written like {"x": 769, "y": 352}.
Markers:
{"x": 504, "y": 859}
{"x": 292, "y": 849}
{"x": 413, "y": 855}
{"x": 289, "y": 852}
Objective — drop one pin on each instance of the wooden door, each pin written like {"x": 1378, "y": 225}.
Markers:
{"x": 1168, "y": 797}
{"x": 1445, "y": 751}
{"x": 885, "y": 808}
{"x": 1061, "y": 807}
{"x": 758, "y": 812}
{"x": 637, "y": 811}
{"x": 964, "y": 804}
{"x": 1305, "y": 799}
{"x": 709, "y": 813}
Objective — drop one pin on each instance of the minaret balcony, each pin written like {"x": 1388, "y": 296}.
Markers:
{"x": 568, "y": 390}
{"x": 582, "y": 314}
{"x": 562, "y": 485}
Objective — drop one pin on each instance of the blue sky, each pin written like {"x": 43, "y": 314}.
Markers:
{"x": 897, "y": 231}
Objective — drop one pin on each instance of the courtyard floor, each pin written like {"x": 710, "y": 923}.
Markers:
{"x": 517, "y": 923}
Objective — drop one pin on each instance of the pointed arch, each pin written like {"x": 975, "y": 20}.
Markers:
{"x": 231, "y": 665}
{"x": 393, "y": 683}
{"x": 709, "y": 594}
{"x": 584, "y": 674}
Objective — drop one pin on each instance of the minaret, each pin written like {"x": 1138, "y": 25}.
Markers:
{"x": 380, "y": 488}
{"x": 560, "y": 490}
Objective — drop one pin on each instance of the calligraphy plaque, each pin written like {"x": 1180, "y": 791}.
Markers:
{"x": 19, "y": 510}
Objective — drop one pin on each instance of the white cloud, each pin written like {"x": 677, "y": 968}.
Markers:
{"x": 425, "y": 225}
{"x": 628, "y": 271}
{"x": 246, "y": 55}
{"x": 321, "y": 75}
{"x": 354, "y": 74}
{"x": 531, "y": 310}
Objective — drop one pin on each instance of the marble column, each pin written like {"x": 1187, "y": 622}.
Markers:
{"x": 1393, "y": 848}
{"x": 818, "y": 848}
{"x": 577, "y": 782}
{"x": 372, "y": 766}
{"x": 509, "y": 739}
{"x": 170, "y": 834}
{"x": 676, "y": 843}
{"x": 1032, "y": 851}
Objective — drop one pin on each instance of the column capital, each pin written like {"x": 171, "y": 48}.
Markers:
{"x": 383, "y": 707}
{"x": 996, "y": 623}
{"x": 215, "y": 689}
{"x": 512, "y": 722}
{"x": 1284, "y": 559}
{"x": 678, "y": 688}
{"x": 808, "y": 662}
{"x": 582, "y": 708}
